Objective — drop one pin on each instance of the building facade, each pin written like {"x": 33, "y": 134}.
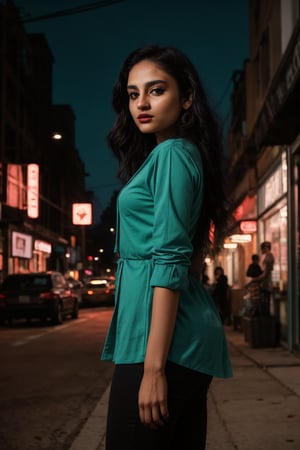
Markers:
{"x": 28, "y": 121}
{"x": 264, "y": 155}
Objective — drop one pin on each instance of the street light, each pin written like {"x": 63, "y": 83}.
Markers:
{"x": 56, "y": 136}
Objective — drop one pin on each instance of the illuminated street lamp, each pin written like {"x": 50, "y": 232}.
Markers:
{"x": 56, "y": 136}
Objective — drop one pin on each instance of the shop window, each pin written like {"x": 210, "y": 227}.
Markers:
{"x": 274, "y": 229}
{"x": 274, "y": 188}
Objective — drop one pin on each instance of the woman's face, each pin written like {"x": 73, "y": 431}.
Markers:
{"x": 155, "y": 102}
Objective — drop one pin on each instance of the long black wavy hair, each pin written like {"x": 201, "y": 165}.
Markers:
{"x": 197, "y": 124}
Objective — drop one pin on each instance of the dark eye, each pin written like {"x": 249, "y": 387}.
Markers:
{"x": 132, "y": 95}
{"x": 157, "y": 91}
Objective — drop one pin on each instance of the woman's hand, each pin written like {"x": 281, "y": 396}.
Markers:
{"x": 153, "y": 408}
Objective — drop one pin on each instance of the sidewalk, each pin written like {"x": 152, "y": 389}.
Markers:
{"x": 277, "y": 361}
{"x": 258, "y": 408}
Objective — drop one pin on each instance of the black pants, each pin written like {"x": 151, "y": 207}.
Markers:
{"x": 187, "y": 402}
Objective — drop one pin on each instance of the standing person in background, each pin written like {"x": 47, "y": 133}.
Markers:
{"x": 204, "y": 277}
{"x": 254, "y": 269}
{"x": 165, "y": 338}
{"x": 265, "y": 278}
{"x": 254, "y": 288}
{"x": 220, "y": 294}
{"x": 205, "y": 281}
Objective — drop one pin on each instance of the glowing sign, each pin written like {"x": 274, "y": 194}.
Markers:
{"x": 240, "y": 238}
{"x": 33, "y": 191}
{"x": 21, "y": 245}
{"x": 42, "y": 246}
{"x": 82, "y": 213}
{"x": 230, "y": 245}
{"x": 248, "y": 226}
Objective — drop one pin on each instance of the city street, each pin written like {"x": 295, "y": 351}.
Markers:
{"x": 54, "y": 390}
{"x": 51, "y": 378}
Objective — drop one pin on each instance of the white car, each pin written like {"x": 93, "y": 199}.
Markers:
{"x": 98, "y": 290}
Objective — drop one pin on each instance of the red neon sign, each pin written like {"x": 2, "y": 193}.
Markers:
{"x": 248, "y": 226}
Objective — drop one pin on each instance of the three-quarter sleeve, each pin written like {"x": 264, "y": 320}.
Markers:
{"x": 176, "y": 187}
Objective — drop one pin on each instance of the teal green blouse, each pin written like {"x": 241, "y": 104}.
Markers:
{"x": 157, "y": 213}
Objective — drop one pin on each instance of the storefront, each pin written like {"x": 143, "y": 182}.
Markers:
{"x": 27, "y": 254}
{"x": 238, "y": 247}
{"x": 41, "y": 253}
{"x": 19, "y": 251}
{"x": 272, "y": 227}
{"x": 241, "y": 243}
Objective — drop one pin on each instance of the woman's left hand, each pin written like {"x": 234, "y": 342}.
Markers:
{"x": 153, "y": 408}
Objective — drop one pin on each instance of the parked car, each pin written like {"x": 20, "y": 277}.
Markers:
{"x": 98, "y": 290}
{"x": 43, "y": 295}
{"x": 112, "y": 286}
{"x": 76, "y": 287}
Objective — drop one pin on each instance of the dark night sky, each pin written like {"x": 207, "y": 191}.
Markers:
{"x": 90, "y": 47}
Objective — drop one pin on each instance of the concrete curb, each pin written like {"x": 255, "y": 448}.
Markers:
{"x": 92, "y": 435}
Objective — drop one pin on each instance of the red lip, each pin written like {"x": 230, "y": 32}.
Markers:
{"x": 144, "y": 118}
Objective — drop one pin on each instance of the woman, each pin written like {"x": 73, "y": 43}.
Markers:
{"x": 165, "y": 338}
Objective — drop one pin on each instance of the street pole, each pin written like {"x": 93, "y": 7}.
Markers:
{"x": 83, "y": 246}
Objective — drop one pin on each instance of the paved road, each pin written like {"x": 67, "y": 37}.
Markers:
{"x": 51, "y": 380}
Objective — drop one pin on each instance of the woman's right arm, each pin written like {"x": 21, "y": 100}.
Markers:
{"x": 153, "y": 407}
